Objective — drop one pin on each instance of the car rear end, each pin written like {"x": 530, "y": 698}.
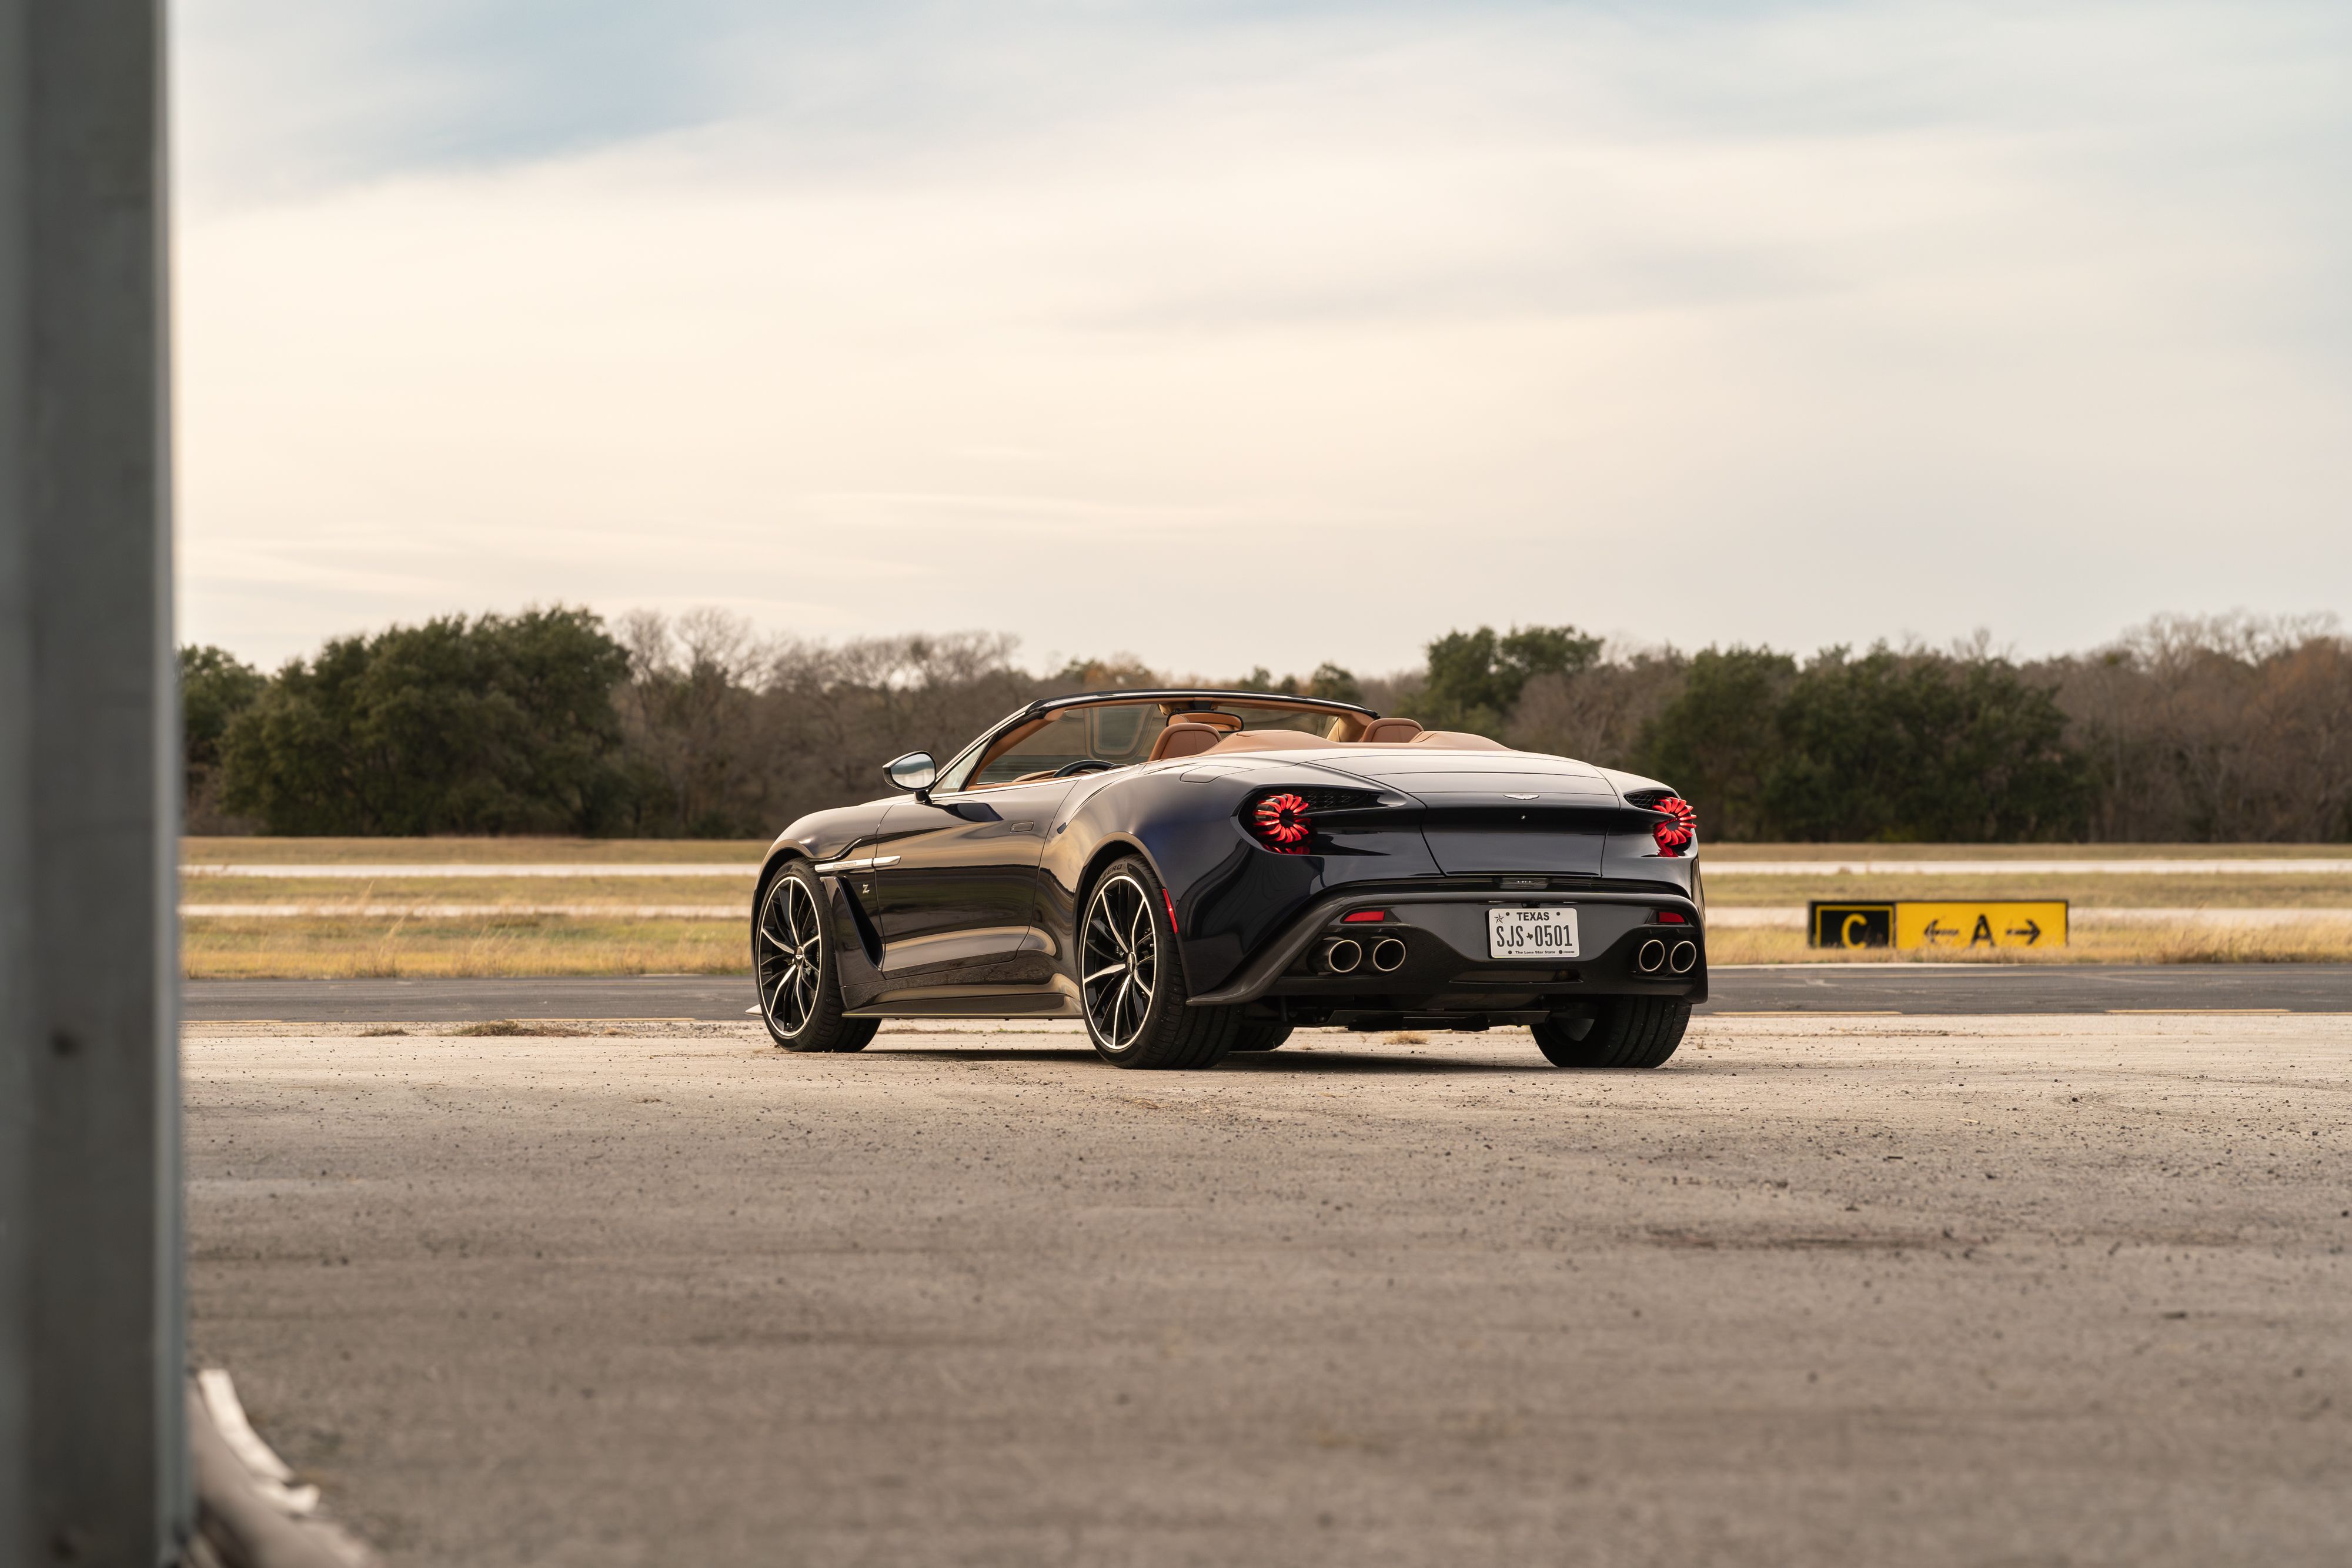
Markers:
{"x": 1448, "y": 889}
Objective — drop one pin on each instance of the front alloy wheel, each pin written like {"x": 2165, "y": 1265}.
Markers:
{"x": 793, "y": 962}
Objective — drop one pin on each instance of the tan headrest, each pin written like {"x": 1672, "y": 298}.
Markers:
{"x": 1389, "y": 732}
{"x": 1184, "y": 740}
{"x": 1456, "y": 740}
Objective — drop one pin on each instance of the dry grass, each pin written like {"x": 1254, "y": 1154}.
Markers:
{"x": 1725, "y": 854}
{"x": 1725, "y": 886}
{"x": 534, "y": 1028}
{"x": 523, "y": 850}
{"x": 1719, "y": 856}
{"x": 627, "y": 890}
{"x": 522, "y": 945}
{"x": 2328, "y": 942}
{"x": 349, "y": 948}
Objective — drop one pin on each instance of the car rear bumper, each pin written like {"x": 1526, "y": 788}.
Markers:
{"x": 1445, "y": 972}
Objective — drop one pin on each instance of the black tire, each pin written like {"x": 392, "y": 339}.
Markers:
{"x": 792, "y": 967}
{"x": 1130, "y": 983}
{"x": 1627, "y": 1031}
{"x": 1249, "y": 1035}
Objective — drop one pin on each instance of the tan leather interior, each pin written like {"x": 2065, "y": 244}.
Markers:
{"x": 1456, "y": 740}
{"x": 1277, "y": 740}
{"x": 1194, "y": 734}
{"x": 1185, "y": 738}
{"x": 1299, "y": 740}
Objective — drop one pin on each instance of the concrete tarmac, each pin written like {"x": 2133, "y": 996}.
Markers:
{"x": 1823, "y": 1291}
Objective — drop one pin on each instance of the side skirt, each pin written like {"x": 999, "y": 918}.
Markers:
{"x": 986, "y": 1005}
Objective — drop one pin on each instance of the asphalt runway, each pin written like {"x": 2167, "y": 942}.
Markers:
{"x": 1959, "y": 1291}
{"x": 1785, "y": 988}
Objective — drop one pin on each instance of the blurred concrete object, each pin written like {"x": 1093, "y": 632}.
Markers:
{"x": 251, "y": 1516}
{"x": 271, "y": 1476}
{"x": 93, "y": 1432}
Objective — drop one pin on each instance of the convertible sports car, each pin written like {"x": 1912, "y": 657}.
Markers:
{"x": 1195, "y": 873}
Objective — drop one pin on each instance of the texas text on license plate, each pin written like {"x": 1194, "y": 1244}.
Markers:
{"x": 1531, "y": 930}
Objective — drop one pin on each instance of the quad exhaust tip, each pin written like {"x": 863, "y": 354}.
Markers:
{"x": 1686, "y": 955}
{"x": 1388, "y": 954}
{"x": 1651, "y": 957}
{"x": 1342, "y": 956}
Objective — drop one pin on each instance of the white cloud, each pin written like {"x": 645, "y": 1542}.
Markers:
{"x": 1248, "y": 341}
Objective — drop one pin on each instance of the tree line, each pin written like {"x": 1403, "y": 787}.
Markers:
{"x": 553, "y": 721}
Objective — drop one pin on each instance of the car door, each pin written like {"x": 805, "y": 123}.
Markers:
{"x": 955, "y": 882}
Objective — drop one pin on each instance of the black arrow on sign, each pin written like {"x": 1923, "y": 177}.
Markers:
{"x": 2033, "y": 932}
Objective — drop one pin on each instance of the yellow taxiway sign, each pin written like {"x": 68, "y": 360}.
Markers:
{"x": 1957, "y": 923}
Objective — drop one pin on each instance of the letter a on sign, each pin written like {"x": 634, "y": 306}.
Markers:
{"x": 1994, "y": 922}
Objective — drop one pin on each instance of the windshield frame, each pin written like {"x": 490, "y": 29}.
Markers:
{"x": 1015, "y": 728}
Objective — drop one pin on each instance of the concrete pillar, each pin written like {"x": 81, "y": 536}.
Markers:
{"x": 92, "y": 1435}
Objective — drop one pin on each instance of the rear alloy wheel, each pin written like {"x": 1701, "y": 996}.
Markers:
{"x": 1627, "y": 1031}
{"x": 792, "y": 958}
{"x": 1132, "y": 984}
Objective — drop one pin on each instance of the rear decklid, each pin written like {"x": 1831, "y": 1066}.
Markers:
{"x": 1496, "y": 811}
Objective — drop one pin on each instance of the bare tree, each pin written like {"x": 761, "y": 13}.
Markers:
{"x": 2217, "y": 727}
{"x": 686, "y": 711}
{"x": 831, "y": 715}
{"x": 1597, "y": 715}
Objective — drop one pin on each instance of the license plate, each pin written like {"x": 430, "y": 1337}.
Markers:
{"x": 1531, "y": 930}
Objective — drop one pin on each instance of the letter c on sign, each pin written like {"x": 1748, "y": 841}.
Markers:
{"x": 1845, "y": 932}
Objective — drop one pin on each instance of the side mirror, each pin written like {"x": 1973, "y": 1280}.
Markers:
{"x": 914, "y": 771}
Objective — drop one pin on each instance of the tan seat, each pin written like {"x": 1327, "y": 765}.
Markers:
{"x": 1389, "y": 732}
{"x": 1456, "y": 740}
{"x": 1184, "y": 739}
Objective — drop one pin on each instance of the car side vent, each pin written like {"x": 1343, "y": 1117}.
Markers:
{"x": 1647, "y": 799}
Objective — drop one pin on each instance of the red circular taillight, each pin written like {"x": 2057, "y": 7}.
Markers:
{"x": 1281, "y": 823}
{"x": 1677, "y": 828}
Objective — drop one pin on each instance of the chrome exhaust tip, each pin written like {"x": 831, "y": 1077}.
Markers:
{"x": 1685, "y": 956}
{"x": 1343, "y": 957}
{"x": 1388, "y": 954}
{"x": 1651, "y": 957}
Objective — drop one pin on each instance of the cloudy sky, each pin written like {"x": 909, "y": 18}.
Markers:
{"x": 1236, "y": 334}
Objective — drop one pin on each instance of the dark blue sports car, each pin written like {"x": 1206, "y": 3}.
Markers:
{"x": 1195, "y": 873}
